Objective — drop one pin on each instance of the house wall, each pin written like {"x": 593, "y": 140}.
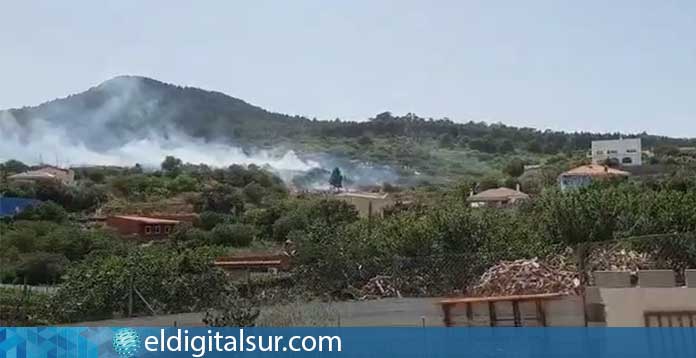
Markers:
{"x": 125, "y": 226}
{"x": 66, "y": 176}
{"x": 619, "y": 149}
{"x": 133, "y": 227}
{"x": 624, "y": 307}
{"x": 363, "y": 204}
{"x": 574, "y": 181}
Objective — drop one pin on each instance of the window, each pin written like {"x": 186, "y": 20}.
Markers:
{"x": 167, "y": 229}
{"x": 158, "y": 229}
{"x": 626, "y": 160}
{"x": 612, "y": 151}
{"x": 631, "y": 151}
{"x": 600, "y": 152}
{"x": 148, "y": 229}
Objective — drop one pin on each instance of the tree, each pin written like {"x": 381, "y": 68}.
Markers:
{"x": 365, "y": 140}
{"x": 507, "y": 146}
{"x": 13, "y": 166}
{"x": 488, "y": 182}
{"x": 172, "y": 165}
{"x": 666, "y": 150}
{"x": 254, "y": 193}
{"x": 41, "y": 267}
{"x": 336, "y": 179}
{"x": 46, "y": 211}
{"x": 514, "y": 168}
{"x": 238, "y": 235}
{"x": 207, "y": 220}
{"x": 223, "y": 199}
{"x": 182, "y": 183}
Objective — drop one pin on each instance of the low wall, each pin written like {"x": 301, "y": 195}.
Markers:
{"x": 625, "y": 307}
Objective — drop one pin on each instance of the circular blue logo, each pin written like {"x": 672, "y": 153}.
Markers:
{"x": 126, "y": 342}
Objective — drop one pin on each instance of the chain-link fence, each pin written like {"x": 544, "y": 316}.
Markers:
{"x": 667, "y": 251}
{"x": 436, "y": 275}
{"x": 373, "y": 277}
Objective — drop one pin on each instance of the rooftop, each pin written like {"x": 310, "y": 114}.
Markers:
{"x": 146, "y": 220}
{"x": 33, "y": 174}
{"x": 498, "y": 194}
{"x": 364, "y": 195}
{"x": 595, "y": 170}
{"x": 10, "y": 206}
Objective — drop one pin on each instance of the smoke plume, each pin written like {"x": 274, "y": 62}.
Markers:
{"x": 114, "y": 126}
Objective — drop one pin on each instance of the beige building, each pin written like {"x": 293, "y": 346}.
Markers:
{"x": 367, "y": 204}
{"x": 46, "y": 173}
{"x": 499, "y": 197}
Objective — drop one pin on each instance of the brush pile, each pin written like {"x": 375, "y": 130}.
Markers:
{"x": 380, "y": 287}
{"x": 525, "y": 277}
{"x": 618, "y": 259}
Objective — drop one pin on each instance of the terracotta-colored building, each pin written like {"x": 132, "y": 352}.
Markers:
{"x": 143, "y": 227}
{"x": 584, "y": 175}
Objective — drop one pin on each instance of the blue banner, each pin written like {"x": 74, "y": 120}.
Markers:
{"x": 38, "y": 342}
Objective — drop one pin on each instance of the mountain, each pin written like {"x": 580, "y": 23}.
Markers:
{"x": 129, "y": 109}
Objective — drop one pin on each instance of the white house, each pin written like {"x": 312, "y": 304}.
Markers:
{"x": 626, "y": 152}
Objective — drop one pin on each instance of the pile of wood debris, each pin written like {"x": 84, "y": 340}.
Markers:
{"x": 379, "y": 287}
{"x": 525, "y": 277}
{"x": 619, "y": 259}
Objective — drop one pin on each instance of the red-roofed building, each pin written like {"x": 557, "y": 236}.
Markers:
{"x": 584, "y": 175}
{"x": 144, "y": 227}
{"x": 497, "y": 198}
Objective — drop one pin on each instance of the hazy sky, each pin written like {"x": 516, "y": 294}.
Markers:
{"x": 571, "y": 65}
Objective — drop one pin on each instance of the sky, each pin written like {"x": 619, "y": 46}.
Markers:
{"x": 589, "y": 65}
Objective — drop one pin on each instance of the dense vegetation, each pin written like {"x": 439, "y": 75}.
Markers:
{"x": 431, "y": 246}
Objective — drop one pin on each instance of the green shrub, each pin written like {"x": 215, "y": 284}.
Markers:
{"x": 46, "y": 211}
{"x": 238, "y": 235}
{"x": 41, "y": 267}
{"x": 210, "y": 219}
{"x": 171, "y": 281}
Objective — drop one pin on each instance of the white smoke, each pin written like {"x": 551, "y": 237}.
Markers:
{"x": 129, "y": 120}
{"x": 40, "y": 140}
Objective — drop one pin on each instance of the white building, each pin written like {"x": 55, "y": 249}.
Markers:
{"x": 627, "y": 152}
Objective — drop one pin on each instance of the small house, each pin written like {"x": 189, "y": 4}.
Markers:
{"x": 499, "y": 197}
{"x": 141, "y": 226}
{"x": 46, "y": 173}
{"x": 367, "y": 204}
{"x": 584, "y": 175}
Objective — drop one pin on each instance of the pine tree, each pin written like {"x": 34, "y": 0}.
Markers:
{"x": 336, "y": 179}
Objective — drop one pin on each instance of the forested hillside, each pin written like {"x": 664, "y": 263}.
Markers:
{"x": 127, "y": 109}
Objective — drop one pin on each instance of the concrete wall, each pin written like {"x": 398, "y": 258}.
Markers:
{"x": 625, "y": 307}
